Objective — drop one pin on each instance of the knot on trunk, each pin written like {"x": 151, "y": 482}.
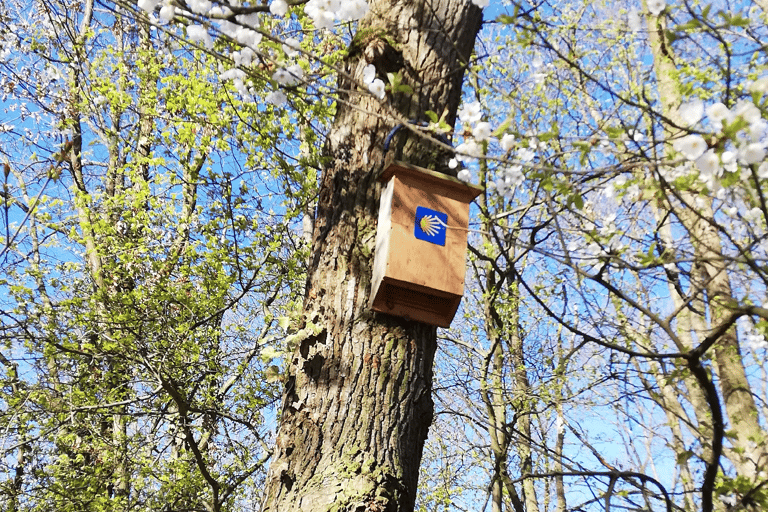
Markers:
{"x": 379, "y": 49}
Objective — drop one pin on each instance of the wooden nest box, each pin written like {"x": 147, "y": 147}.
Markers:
{"x": 421, "y": 244}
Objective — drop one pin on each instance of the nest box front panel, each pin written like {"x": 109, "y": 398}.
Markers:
{"x": 423, "y": 249}
{"x": 421, "y": 243}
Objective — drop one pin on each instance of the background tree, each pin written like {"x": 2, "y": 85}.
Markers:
{"x": 146, "y": 258}
{"x": 633, "y": 185}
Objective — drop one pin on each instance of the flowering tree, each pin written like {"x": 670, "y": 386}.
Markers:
{"x": 143, "y": 268}
{"x": 162, "y": 251}
{"x": 617, "y": 277}
{"x": 628, "y": 213}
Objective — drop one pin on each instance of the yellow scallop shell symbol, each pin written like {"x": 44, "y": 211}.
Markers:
{"x": 430, "y": 225}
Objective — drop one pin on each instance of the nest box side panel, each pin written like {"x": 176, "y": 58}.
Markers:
{"x": 383, "y": 231}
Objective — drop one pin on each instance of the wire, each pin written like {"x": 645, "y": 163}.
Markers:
{"x": 440, "y": 136}
{"x": 446, "y": 226}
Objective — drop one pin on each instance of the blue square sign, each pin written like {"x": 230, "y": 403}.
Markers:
{"x": 430, "y": 225}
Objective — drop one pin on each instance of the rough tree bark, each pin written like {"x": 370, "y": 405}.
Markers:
{"x": 357, "y": 404}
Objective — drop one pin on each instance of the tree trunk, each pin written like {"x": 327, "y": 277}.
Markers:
{"x": 710, "y": 280}
{"x": 357, "y": 404}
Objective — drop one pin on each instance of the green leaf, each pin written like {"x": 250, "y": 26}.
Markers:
{"x": 269, "y": 353}
{"x": 404, "y": 88}
{"x": 683, "y": 457}
{"x": 284, "y": 322}
{"x": 272, "y": 374}
{"x": 503, "y": 127}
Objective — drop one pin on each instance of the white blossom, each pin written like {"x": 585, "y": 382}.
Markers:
{"x": 247, "y": 36}
{"x": 232, "y": 74}
{"x": 369, "y": 74}
{"x": 526, "y": 154}
{"x": 276, "y": 98}
{"x": 377, "y": 88}
{"x": 760, "y": 85}
{"x": 753, "y": 214}
{"x": 747, "y": 111}
{"x": 167, "y": 12}
{"x": 609, "y": 226}
{"x": 691, "y": 113}
{"x": 468, "y": 150}
{"x": 464, "y": 175}
{"x": 323, "y": 19}
{"x": 762, "y": 170}
{"x": 505, "y": 186}
{"x": 632, "y": 192}
{"x": 199, "y": 34}
{"x": 729, "y": 161}
{"x": 242, "y": 89}
{"x": 217, "y": 11}
{"x": 482, "y": 131}
{"x": 752, "y": 153}
{"x": 470, "y": 113}
{"x": 656, "y": 6}
{"x": 538, "y": 78}
{"x": 325, "y": 12}
{"x": 758, "y": 130}
{"x": 514, "y": 176}
{"x": 249, "y": 20}
{"x": 507, "y": 142}
{"x": 282, "y": 77}
{"x": 148, "y": 5}
{"x": 710, "y": 170}
{"x": 709, "y": 164}
{"x": 200, "y": 6}
{"x": 635, "y": 135}
{"x": 291, "y": 47}
{"x": 296, "y": 71}
{"x": 352, "y": 10}
{"x": 227, "y": 27}
{"x": 691, "y": 146}
{"x": 594, "y": 249}
{"x": 718, "y": 112}
{"x": 756, "y": 341}
{"x": 244, "y": 57}
{"x": 278, "y": 7}
{"x": 481, "y": 3}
